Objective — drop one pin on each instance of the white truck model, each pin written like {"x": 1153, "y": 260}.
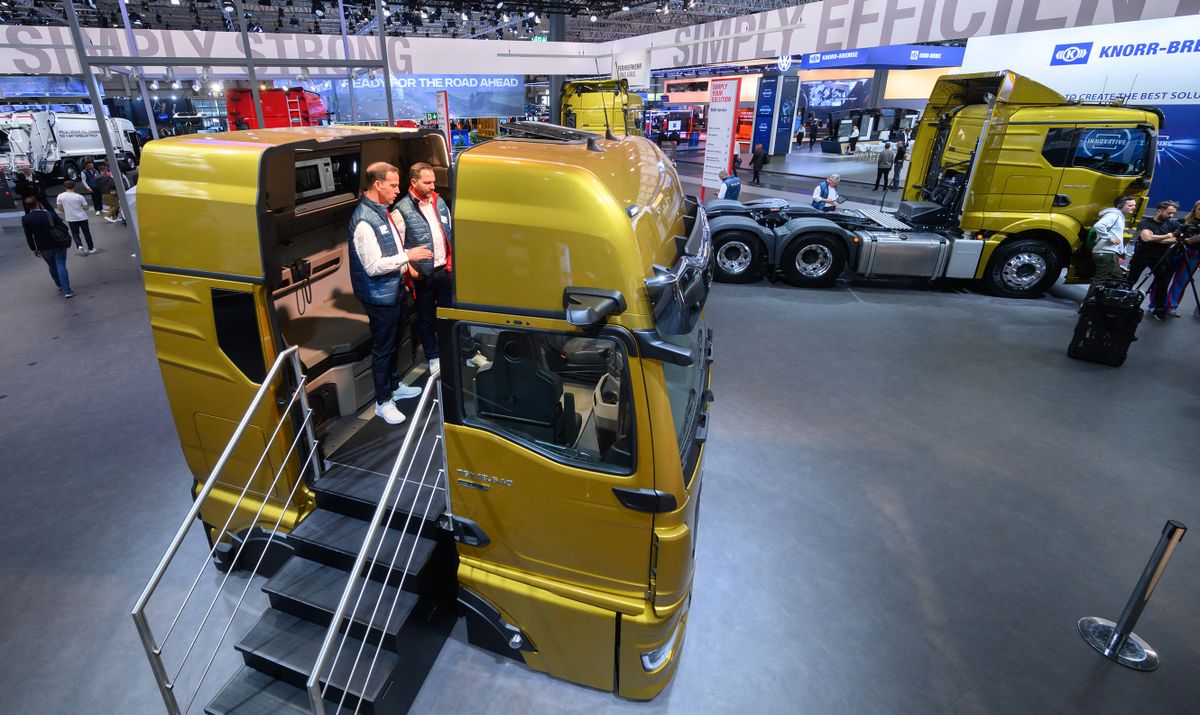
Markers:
{"x": 56, "y": 145}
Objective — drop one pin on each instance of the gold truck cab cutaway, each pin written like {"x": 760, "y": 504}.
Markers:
{"x": 574, "y": 455}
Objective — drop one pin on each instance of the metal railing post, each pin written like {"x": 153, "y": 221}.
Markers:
{"x": 445, "y": 463}
{"x": 1117, "y": 641}
{"x": 165, "y": 688}
{"x": 317, "y": 467}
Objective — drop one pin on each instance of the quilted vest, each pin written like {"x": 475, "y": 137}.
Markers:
{"x": 417, "y": 231}
{"x": 374, "y": 290}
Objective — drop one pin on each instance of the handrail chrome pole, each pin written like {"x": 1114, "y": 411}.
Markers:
{"x": 318, "y": 468}
{"x": 314, "y": 692}
{"x": 165, "y": 688}
{"x": 445, "y": 462}
{"x": 211, "y": 482}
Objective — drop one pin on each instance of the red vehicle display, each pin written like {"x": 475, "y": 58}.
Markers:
{"x": 292, "y": 107}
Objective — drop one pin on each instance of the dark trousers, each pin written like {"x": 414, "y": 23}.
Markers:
{"x": 812, "y": 139}
{"x": 97, "y": 201}
{"x": 56, "y": 261}
{"x": 1161, "y": 270}
{"x": 431, "y": 292}
{"x": 756, "y": 169}
{"x": 882, "y": 175}
{"x": 76, "y": 228}
{"x": 896, "y": 175}
{"x": 385, "y": 321}
{"x": 853, "y": 144}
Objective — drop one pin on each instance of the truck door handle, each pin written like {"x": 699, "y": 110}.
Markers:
{"x": 651, "y": 501}
{"x": 1062, "y": 200}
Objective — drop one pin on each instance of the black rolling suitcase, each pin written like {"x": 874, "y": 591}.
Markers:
{"x": 1108, "y": 320}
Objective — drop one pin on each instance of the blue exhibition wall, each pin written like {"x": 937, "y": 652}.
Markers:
{"x": 414, "y": 96}
{"x": 764, "y": 111}
{"x": 1177, "y": 174}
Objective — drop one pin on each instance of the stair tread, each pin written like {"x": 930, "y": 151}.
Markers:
{"x": 294, "y": 643}
{"x": 366, "y": 486}
{"x": 345, "y": 535}
{"x": 250, "y": 692}
{"x": 320, "y": 586}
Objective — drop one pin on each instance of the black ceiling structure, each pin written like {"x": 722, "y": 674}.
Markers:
{"x": 586, "y": 20}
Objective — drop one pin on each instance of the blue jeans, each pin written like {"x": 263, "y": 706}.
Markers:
{"x": 56, "y": 261}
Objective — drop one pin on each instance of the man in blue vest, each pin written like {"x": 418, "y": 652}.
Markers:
{"x": 825, "y": 196}
{"x": 377, "y": 267}
{"x": 731, "y": 187}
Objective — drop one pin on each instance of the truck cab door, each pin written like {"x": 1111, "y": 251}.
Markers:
{"x": 540, "y": 443}
{"x": 1098, "y": 165}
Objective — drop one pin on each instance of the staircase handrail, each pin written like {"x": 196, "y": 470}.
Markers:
{"x": 315, "y": 693}
{"x": 152, "y": 647}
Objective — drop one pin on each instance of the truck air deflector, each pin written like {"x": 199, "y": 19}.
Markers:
{"x": 678, "y": 293}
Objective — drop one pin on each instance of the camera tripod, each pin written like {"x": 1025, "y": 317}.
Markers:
{"x": 1179, "y": 248}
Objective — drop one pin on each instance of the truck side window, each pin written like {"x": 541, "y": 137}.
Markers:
{"x": 1119, "y": 152}
{"x": 560, "y": 394}
{"x": 1057, "y": 149}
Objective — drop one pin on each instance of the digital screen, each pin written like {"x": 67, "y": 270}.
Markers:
{"x": 837, "y": 93}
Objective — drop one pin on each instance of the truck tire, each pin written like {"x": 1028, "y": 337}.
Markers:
{"x": 813, "y": 261}
{"x": 70, "y": 170}
{"x": 1024, "y": 268}
{"x": 737, "y": 257}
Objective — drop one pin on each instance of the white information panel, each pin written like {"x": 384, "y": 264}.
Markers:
{"x": 722, "y": 118}
{"x": 443, "y": 104}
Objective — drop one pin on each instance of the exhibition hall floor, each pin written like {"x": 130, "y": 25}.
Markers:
{"x": 910, "y": 497}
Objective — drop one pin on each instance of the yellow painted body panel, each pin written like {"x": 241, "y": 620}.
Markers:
{"x": 208, "y": 395}
{"x": 600, "y": 105}
{"x": 532, "y": 218}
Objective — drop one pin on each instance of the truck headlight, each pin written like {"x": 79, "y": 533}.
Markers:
{"x": 653, "y": 660}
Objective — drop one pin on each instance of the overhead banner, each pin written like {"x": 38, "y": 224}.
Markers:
{"x": 414, "y": 96}
{"x": 834, "y": 25}
{"x": 1146, "y": 63}
{"x": 722, "y": 118}
{"x": 632, "y": 66}
{"x": 894, "y": 57}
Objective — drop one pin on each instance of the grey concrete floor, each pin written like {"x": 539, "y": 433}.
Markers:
{"x": 911, "y": 495}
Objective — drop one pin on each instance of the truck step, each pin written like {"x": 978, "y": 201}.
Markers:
{"x": 250, "y": 692}
{"x": 285, "y": 647}
{"x": 310, "y": 590}
{"x": 356, "y": 492}
{"x": 335, "y": 539}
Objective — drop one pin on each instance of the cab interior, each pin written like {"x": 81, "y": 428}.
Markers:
{"x": 310, "y": 191}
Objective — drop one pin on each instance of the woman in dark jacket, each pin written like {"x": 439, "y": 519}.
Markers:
{"x": 37, "y": 222}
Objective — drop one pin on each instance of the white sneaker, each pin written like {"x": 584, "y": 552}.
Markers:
{"x": 110, "y": 220}
{"x": 435, "y": 365}
{"x": 91, "y": 250}
{"x": 97, "y": 212}
{"x": 406, "y": 392}
{"x": 389, "y": 413}
{"x": 479, "y": 361}
{"x": 81, "y": 250}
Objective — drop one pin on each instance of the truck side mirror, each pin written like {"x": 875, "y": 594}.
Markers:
{"x": 589, "y": 307}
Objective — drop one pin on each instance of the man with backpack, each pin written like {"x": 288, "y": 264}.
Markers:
{"x": 1107, "y": 237}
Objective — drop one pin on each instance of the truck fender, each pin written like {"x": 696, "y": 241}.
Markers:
{"x": 1062, "y": 232}
{"x": 736, "y": 222}
{"x": 798, "y": 228}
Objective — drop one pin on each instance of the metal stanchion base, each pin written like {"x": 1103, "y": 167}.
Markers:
{"x": 1135, "y": 653}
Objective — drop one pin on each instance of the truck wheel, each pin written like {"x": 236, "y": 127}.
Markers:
{"x": 737, "y": 258}
{"x": 1022, "y": 269}
{"x": 813, "y": 262}
{"x": 71, "y": 170}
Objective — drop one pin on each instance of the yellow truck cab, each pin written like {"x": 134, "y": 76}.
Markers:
{"x": 1005, "y": 178}
{"x": 573, "y": 452}
{"x": 601, "y": 106}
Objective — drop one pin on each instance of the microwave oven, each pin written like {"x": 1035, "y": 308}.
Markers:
{"x": 314, "y": 178}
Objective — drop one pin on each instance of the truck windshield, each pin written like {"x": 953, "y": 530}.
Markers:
{"x": 686, "y": 384}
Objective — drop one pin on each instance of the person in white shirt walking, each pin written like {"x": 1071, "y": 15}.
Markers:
{"x": 75, "y": 210}
{"x": 1109, "y": 248}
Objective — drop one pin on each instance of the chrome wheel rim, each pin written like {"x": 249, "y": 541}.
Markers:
{"x": 814, "y": 261}
{"x": 1024, "y": 270}
{"x": 733, "y": 258}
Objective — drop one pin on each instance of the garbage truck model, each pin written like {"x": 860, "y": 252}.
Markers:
{"x": 603, "y": 105}
{"x": 1006, "y": 177}
{"x": 57, "y": 145}
{"x": 574, "y": 447}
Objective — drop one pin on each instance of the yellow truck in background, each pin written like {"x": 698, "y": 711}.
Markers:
{"x": 1005, "y": 178}
{"x": 601, "y": 106}
{"x": 573, "y": 453}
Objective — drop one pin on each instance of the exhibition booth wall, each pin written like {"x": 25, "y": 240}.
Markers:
{"x": 1143, "y": 63}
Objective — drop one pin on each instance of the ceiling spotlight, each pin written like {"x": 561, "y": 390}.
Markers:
{"x": 624, "y": 8}
{"x": 154, "y": 85}
{"x": 227, "y": 8}
{"x": 465, "y": 18}
{"x": 196, "y": 86}
{"x": 387, "y": 12}
{"x": 217, "y": 86}
{"x": 424, "y": 15}
{"x": 537, "y": 19}
{"x": 174, "y": 97}
{"x": 205, "y": 72}
{"x": 531, "y": 13}
{"x": 592, "y": 18}
{"x": 499, "y": 6}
